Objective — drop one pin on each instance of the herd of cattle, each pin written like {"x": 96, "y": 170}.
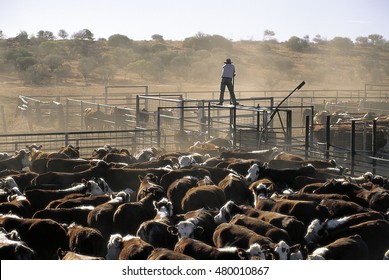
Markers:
{"x": 154, "y": 204}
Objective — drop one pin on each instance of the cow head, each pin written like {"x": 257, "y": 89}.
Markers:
{"x": 93, "y": 187}
{"x": 255, "y": 252}
{"x": 186, "y": 160}
{"x": 187, "y": 228}
{"x": 255, "y": 171}
{"x": 315, "y": 231}
{"x": 164, "y": 207}
{"x": 283, "y": 251}
{"x": 25, "y": 157}
{"x": 226, "y": 212}
{"x": 114, "y": 246}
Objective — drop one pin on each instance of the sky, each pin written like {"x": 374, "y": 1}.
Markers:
{"x": 179, "y": 19}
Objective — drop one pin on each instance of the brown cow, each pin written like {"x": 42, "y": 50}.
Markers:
{"x": 44, "y": 236}
{"x": 16, "y": 162}
{"x": 127, "y": 247}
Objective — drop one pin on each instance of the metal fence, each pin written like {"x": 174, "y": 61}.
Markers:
{"x": 87, "y": 141}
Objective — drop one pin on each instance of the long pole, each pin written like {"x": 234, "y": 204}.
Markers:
{"x": 283, "y": 100}
{"x": 277, "y": 107}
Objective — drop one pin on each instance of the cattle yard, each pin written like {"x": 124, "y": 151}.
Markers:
{"x": 141, "y": 175}
{"x": 133, "y": 117}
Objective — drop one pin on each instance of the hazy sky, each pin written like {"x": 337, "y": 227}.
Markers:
{"x": 179, "y": 19}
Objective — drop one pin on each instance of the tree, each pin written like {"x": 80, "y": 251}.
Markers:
{"x": 157, "y": 37}
{"x": 62, "y": 73}
{"x": 268, "y": 34}
{"x": 362, "y": 41}
{"x": 53, "y": 61}
{"x": 376, "y": 39}
{"x": 319, "y": 40}
{"x": 63, "y": 34}
{"x": 203, "y": 41}
{"x": 343, "y": 44}
{"x": 13, "y": 54}
{"x": 45, "y": 35}
{"x": 118, "y": 40}
{"x": 106, "y": 73}
{"x": 86, "y": 66}
{"x": 22, "y": 63}
{"x": 141, "y": 67}
{"x": 37, "y": 74}
{"x": 22, "y": 39}
{"x": 297, "y": 44}
{"x": 2, "y": 36}
{"x": 84, "y": 34}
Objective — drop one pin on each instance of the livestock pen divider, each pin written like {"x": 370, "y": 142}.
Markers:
{"x": 87, "y": 141}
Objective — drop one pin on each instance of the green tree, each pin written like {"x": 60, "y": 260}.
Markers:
{"x": 118, "y": 40}
{"x": 376, "y": 39}
{"x": 319, "y": 40}
{"x": 22, "y": 39}
{"x": 106, "y": 73}
{"x": 13, "y": 54}
{"x": 63, "y": 34}
{"x": 343, "y": 44}
{"x": 37, "y": 74}
{"x": 268, "y": 35}
{"x": 22, "y": 63}
{"x": 157, "y": 37}
{"x": 362, "y": 41}
{"x": 62, "y": 73}
{"x": 203, "y": 41}
{"x": 84, "y": 34}
{"x": 53, "y": 61}
{"x": 86, "y": 67}
{"x": 45, "y": 35}
{"x": 297, "y": 44}
{"x": 141, "y": 67}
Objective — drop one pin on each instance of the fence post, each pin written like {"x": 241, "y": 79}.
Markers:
{"x": 288, "y": 129}
{"x": 233, "y": 125}
{"x": 3, "y": 119}
{"x": 81, "y": 115}
{"x": 374, "y": 144}
{"x": 328, "y": 136}
{"x": 209, "y": 120}
{"x": 352, "y": 146}
{"x": 159, "y": 125}
{"x": 66, "y": 139}
{"x": 306, "y": 136}
{"x": 258, "y": 127}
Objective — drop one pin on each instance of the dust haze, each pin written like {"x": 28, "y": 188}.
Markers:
{"x": 166, "y": 66}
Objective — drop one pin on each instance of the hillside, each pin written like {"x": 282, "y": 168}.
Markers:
{"x": 195, "y": 62}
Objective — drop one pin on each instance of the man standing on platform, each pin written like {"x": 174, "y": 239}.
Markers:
{"x": 228, "y": 74}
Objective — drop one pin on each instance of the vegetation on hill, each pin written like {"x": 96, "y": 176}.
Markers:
{"x": 80, "y": 59}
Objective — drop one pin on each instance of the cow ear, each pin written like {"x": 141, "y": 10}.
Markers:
{"x": 295, "y": 247}
{"x": 242, "y": 254}
{"x": 198, "y": 230}
{"x": 117, "y": 242}
{"x": 60, "y": 253}
{"x": 76, "y": 250}
{"x": 172, "y": 230}
{"x": 140, "y": 177}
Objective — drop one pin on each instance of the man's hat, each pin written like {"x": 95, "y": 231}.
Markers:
{"x": 228, "y": 61}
